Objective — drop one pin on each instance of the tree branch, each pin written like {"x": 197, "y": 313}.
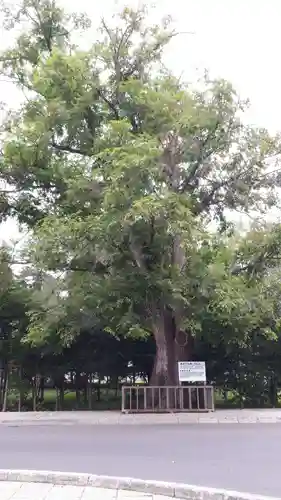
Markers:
{"x": 41, "y": 27}
{"x": 69, "y": 149}
{"x": 201, "y": 157}
{"x": 137, "y": 254}
{"x": 109, "y": 103}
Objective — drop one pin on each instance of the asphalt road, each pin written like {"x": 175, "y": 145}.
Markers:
{"x": 240, "y": 457}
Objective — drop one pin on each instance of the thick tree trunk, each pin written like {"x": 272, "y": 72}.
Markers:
{"x": 164, "y": 372}
{"x": 165, "y": 369}
{"x": 171, "y": 346}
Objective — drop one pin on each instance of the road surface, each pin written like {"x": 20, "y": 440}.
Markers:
{"x": 240, "y": 457}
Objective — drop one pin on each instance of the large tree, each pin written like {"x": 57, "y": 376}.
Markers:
{"x": 120, "y": 168}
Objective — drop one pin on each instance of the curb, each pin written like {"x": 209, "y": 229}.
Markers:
{"x": 174, "y": 490}
{"x": 76, "y": 418}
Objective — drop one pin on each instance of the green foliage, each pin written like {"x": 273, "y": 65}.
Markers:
{"x": 14, "y": 305}
{"x": 119, "y": 168}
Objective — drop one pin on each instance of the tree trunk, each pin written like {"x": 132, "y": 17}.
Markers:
{"x": 171, "y": 346}
{"x": 90, "y": 392}
{"x": 42, "y": 389}
{"x": 21, "y": 391}
{"x": 77, "y": 390}
{"x": 6, "y": 388}
{"x": 165, "y": 369}
{"x": 85, "y": 393}
{"x": 61, "y": 397}
{"x": 273, "y": 391}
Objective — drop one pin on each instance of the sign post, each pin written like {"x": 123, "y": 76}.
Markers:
{"x": 192, "y": 371}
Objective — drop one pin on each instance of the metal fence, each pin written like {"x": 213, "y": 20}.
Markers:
{"x": 145, "y": 399}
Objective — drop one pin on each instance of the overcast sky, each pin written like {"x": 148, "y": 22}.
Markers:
{"x": 239, "y": 40}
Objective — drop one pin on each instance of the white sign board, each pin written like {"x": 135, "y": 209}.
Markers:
{"x": 192, "y": 371}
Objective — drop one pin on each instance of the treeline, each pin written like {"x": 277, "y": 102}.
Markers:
{"x": 89, "y": 371}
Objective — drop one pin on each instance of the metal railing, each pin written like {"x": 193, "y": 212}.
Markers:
{"x": 146, "y": 399}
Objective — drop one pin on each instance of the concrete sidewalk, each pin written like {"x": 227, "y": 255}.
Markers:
{"x": 117, "y": 418}
{"x": 44, "y": 491}
{"x": 40, "y": 485}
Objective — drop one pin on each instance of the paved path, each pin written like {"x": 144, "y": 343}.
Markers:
{"x": 236, "y": 457}
{"x": 117, "y": 418}
{"x": 39, "y": 491}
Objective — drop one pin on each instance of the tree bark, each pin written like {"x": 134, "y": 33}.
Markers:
{"x": 6, "y": 388}
{"x": 61, "y": 397}
{"x": 165, "y": 369}
{"x": 172, "y": 345}
{"x": 42, "y": 389}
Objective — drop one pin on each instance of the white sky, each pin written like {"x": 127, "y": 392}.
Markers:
{"x": 238, "y": 40}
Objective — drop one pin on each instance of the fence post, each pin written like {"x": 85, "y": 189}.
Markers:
{"x": 145, "y": 398}
{"x": 123, "y": 399}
